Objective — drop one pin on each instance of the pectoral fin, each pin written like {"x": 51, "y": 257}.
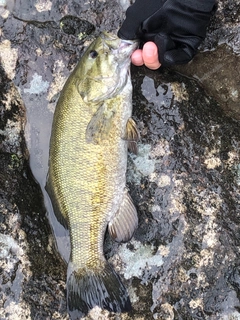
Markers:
{"x": 99, "y": 126}
{"x": 125, "y": 221}
{"x": 132, "y": 135}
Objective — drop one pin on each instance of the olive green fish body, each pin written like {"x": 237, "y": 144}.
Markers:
{"x": 85, "y": 176}
{"x": 87, "y": 170}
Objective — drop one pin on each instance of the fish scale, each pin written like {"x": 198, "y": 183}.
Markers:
{"x": 87, "y": 171}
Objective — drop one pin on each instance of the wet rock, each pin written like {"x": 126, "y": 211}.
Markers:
{"x": 217, "y": 75}
{"x": 31, "y": 284}
{"x": 189, "y": 204}
{"x": 183, "y": 260}
{"x": 79, "y": 28}
{"x": 216, "y": 65}
{"x": 187, "y": 195}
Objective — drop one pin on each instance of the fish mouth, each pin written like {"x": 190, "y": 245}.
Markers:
{"x": 127, "y": 47}
{"x": 128, "y": 43}
{"x": 118, "y": 45}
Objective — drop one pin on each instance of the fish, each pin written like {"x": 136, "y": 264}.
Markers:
{"x": 92, "y": 131}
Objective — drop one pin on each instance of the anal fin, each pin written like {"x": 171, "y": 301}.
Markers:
{"x": 125, "y": 221}
{"x": 132, "y": 135}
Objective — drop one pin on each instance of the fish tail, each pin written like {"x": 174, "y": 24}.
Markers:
{"x": 95, "y": 287}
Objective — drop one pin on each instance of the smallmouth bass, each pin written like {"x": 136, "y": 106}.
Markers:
{"x": 92, "y": 129}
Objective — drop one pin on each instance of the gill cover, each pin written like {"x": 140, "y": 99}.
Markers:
{"x": 104, "y": 74}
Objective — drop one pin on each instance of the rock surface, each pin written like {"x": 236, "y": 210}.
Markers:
{"x": 183, "y": 262}
{"x": 215, "y": 69}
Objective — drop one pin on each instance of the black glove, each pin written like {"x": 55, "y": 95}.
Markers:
{"x": 176, "y": 26}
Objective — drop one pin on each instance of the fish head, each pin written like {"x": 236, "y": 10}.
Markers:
{"x": 104, "y": 68}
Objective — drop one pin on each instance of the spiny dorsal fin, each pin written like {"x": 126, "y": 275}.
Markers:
{"x": 132, "y": 135}
{"x": 125, "y": 221}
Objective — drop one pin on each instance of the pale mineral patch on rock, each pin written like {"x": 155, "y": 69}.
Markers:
{"x": 4, "y": 13}
{"x": 196, "y": 303}
{"x": 161, "y": 149}
{"x": 176, "y": 203}
{"x": 135, "y": 261}
{"x": 16, "y": 270}
{"x": 98, "y": 313}
{"x": 179, "y": 91}
{"x": 8, "y": 57}
{"x": 164, "y": 180}
{"x": 59, "y": 79}
{"x": 11, "y": 133}
{"x": 37, "y": 85}
{"x": 167, "y": 311}
{"x": 43, "y": 5}
{"x": 142, "y": 164}
{"x": 212, "y": 163}
{"x": 17, "y": 311}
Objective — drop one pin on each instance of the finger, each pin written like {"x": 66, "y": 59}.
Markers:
{"x": 137, "y": 58}
{"x": 150, "y": 55}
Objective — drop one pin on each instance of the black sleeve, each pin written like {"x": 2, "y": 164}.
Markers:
{"x": 176, "y": 26}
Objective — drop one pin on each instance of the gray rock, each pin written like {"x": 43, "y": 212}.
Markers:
{"x": 214, "y": 65}
{"x": 32, "y": 275}
{"x": 183, "y": 262}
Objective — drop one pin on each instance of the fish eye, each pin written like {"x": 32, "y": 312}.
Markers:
{"x": 93, "y": 54}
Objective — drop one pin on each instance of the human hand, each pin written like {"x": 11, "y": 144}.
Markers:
{"x": 147, "y": 56}
{"x": 177, "y": 27}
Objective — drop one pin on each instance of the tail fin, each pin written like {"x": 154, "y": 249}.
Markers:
{"x": 96, "y": 287}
